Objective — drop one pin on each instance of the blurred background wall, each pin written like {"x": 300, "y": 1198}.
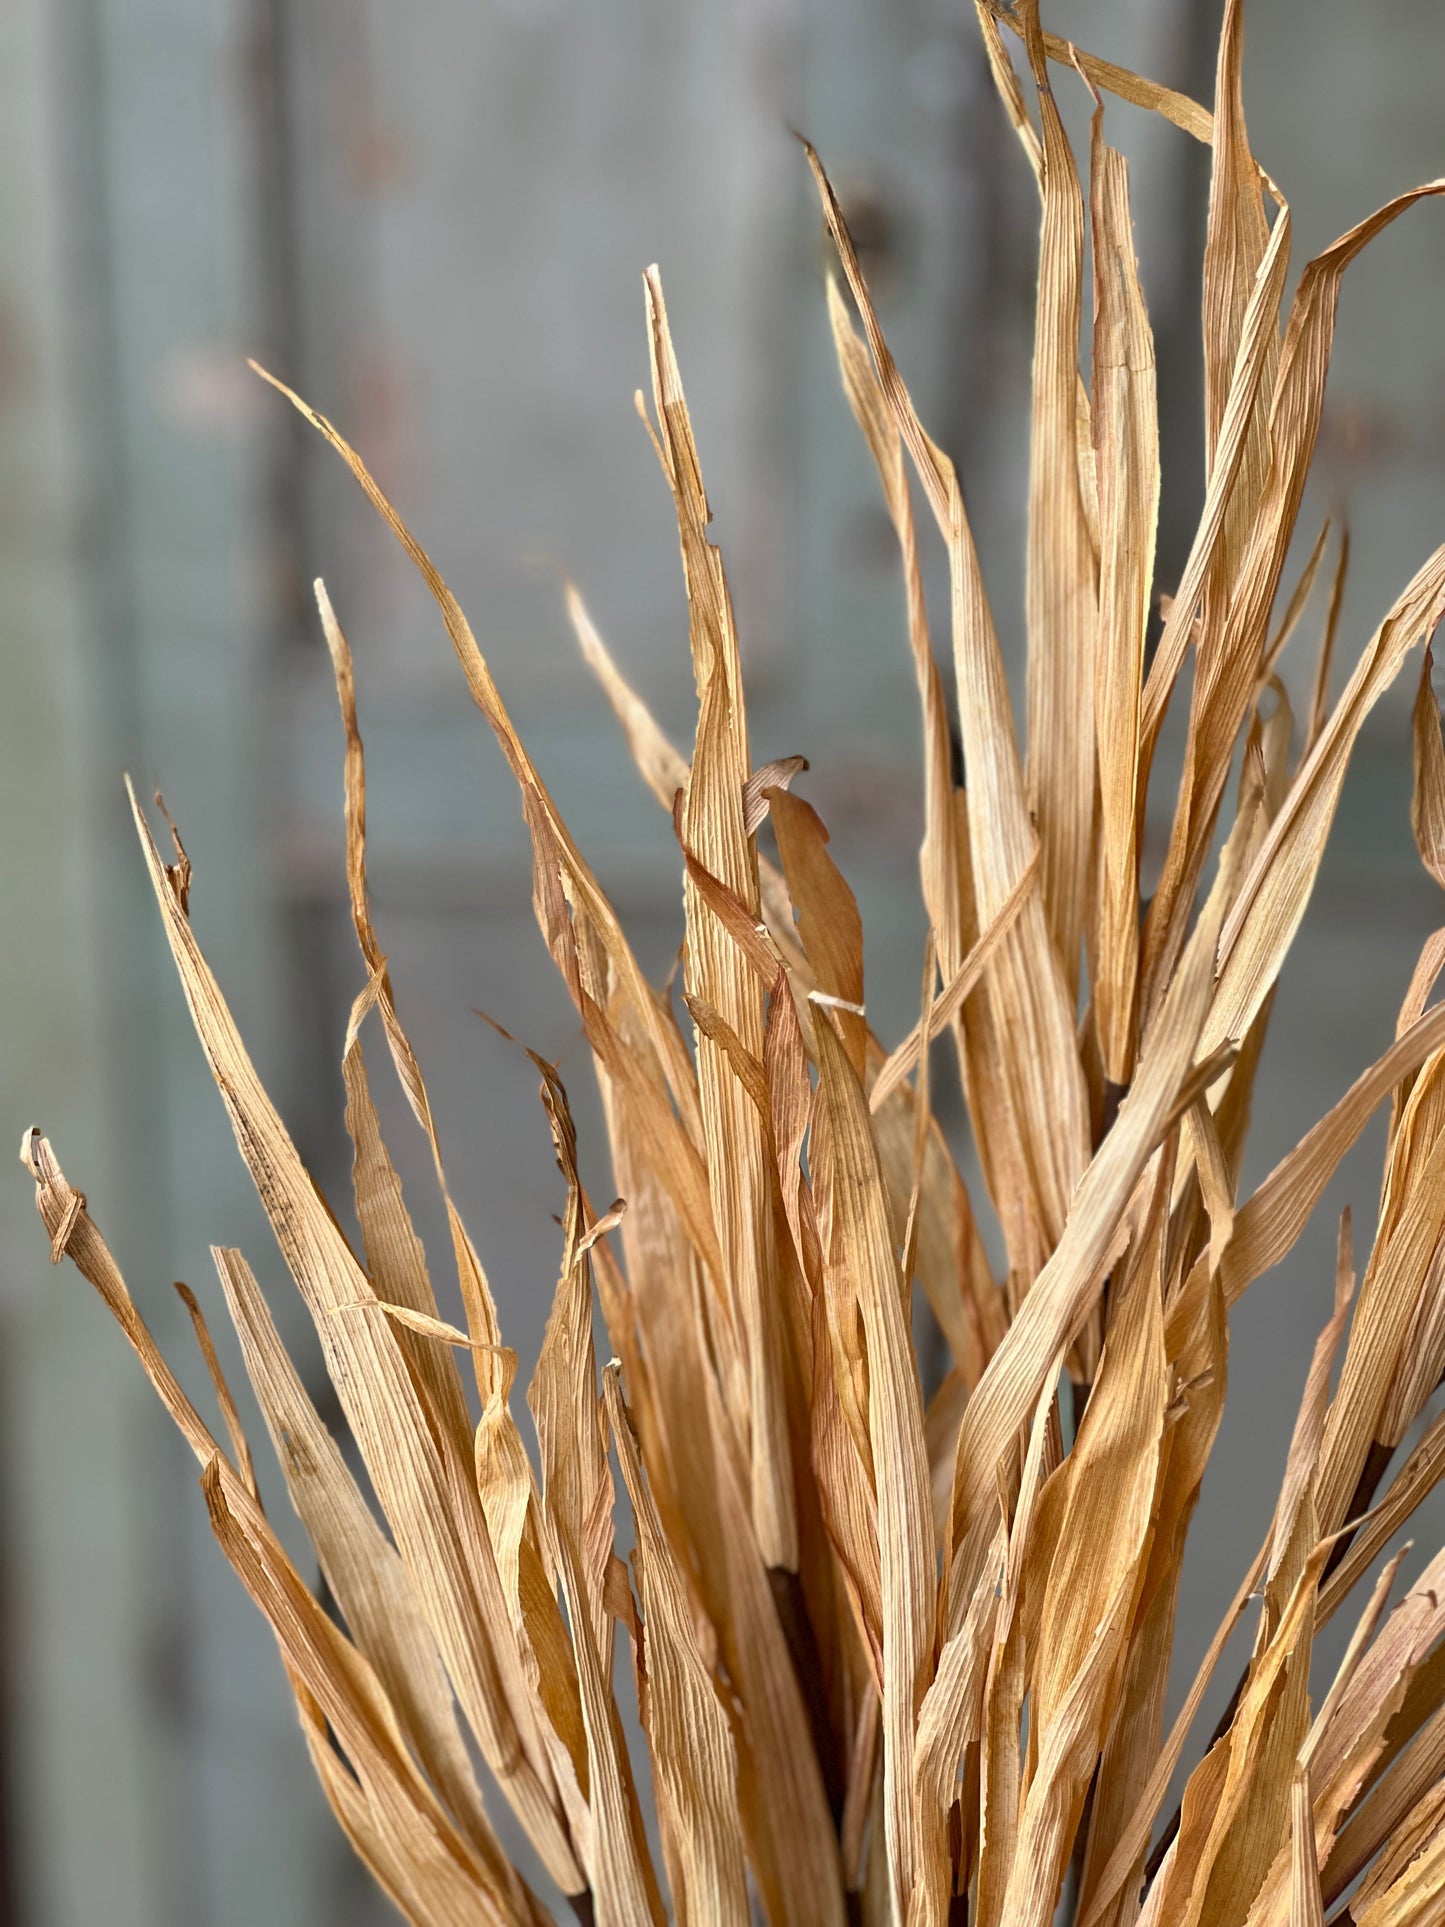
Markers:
{"x": 432, "y": 220}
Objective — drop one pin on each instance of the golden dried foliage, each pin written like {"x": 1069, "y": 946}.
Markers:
{"x": 896, "y": 1661}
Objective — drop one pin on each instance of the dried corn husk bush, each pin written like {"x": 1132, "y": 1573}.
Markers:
{"x": 898, "y": 1662}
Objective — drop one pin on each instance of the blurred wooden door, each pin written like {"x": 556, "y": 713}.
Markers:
{"x": 432, "y": 220}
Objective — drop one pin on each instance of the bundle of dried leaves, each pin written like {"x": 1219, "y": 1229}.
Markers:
{"x": 896, "y": 1662}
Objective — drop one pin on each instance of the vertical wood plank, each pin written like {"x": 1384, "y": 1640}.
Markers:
{"x": 81, "y": 1736}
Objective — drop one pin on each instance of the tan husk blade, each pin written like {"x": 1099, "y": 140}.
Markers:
{"x": 1126, "y": 455}
{"x": 692, "y": 1745}
{"x": 1062, "y": 579}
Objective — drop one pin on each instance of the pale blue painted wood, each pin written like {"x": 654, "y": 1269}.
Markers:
{"x": 464, "y": 198}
